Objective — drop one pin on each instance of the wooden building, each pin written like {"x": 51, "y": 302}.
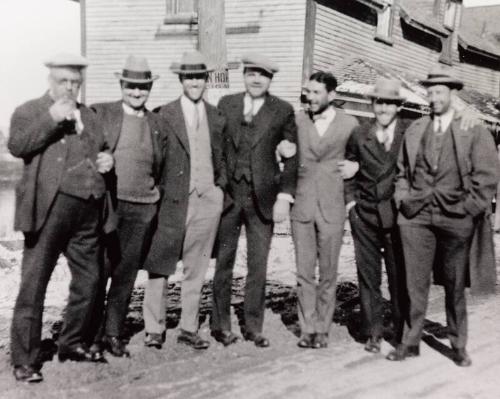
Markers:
{"x": 356, "y": 39}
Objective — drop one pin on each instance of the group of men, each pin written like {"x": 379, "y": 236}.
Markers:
{"x": 117, "y": 188}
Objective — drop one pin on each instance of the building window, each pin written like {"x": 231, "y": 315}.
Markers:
{"x": 450, "y": 13}
{"x": 182, "y": 7}
{"x": 385, "y": 22}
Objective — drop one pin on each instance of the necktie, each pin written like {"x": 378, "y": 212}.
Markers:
{"x": 316, "y": 117}
{"x": 385, "y": 139}
{"x": 196, "y": 117}
{"x": 249, "y": 115}
{"x": 439, "y": 128}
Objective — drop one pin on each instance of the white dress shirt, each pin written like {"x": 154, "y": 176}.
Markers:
{"x": 131, "y": 111}
{"x": 445, "y": 120}
{"x": 193, "y": 112}
{"x": 323, "y": 120}
{"x": 389, "y": 131}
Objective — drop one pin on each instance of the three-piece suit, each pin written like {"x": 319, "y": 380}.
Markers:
{"x": 254, "y": 181}
{"x": 318, "y": 217}
{"x": 58, "y": 208}
{"x": 193, "y": 179}
{"x": 374, "y": 228}
{"x": 133, "y": 138}
{"x": 443, "y": 187}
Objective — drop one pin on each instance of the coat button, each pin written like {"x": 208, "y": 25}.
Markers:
{"x": 59, "y": 159}
{"x": 63, "y": 141}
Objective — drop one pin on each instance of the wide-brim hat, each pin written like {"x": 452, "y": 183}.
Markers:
{"x": 66, "y": 60}
{"x": 192, "y": 63}
{"x": 442, "y": 76}
{"x": 259, "y": 61}
{"x": 136, "y": 70}
{"x": 387, "y": 89}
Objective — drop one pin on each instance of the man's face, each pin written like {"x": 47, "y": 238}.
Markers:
{"x": 65, "y": 82}
{"x": 135, "y": 95}
{"x": 439, "y": 98}
{"x": 257, "y": 82}
{"x": 385, "y": 111}
{"x": 318, "y": 96}
{"x": 194, "y": 85}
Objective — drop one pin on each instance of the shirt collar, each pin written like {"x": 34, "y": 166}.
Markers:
{"x": 133, "y": 112}
{"x": 446, "y": 119}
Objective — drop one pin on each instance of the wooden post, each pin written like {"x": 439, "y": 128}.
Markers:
{"x": 212, "y": 44}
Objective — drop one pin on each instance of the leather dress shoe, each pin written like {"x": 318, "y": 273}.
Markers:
{"x": 402, "y": 352}
{"x": 461, "y": 358}
{"x": 192, "y": 339}
{"x": 115, "y": 346}
{"x": 225, "y": 337}
{"x": 258, "y": 339}
{"x": 97, "y": 353}
{"x": 320, "y": 341}
{"x": 306, "y": 341}
{"x": 372, "y": 345}
{"x": 77, "y": 354}
{"x": 154, "y": 340}
{"x": 29, "y": 374}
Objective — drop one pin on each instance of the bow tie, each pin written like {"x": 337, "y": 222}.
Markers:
{"x": 316, "y": 117}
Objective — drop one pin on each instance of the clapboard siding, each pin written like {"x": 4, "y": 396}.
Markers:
{"x": 339, "y": 37}
{"x": 117, "y": 28}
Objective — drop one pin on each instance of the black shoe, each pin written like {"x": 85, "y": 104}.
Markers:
{"x": 320, "y": 341}
{"x": 225, "y": 337}
{"x": 372, "y": 345}
{"x": 154, "y": 340}
{"x": 115, "y": 346}
{"x": 192, "y": 339}
{"x": 28, "y": 374}
{"x": 402, "y": 352}
{"x": 461, "y": 358}
{"x": 77, "y": 354}
{"x": 306, "y": 341}
{"x": 97, "y": 353}
{"x": 258, "y": 339}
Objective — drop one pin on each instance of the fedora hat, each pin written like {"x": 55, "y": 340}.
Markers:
{"x": 440, "y": 75}
{"x": 387, "y": 89}
{"x": 259, "y": 61}
{"x": 136, "y": 70}
{"x": 66, "y": 59}
{"x": 191, "y": 63}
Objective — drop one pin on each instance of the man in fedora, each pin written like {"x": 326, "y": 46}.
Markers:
{"x": 318, "y": 213}
{"x": 193, "y": 180}
{"x": 58, "y": 208}
{"x": 372, "y": 212}
{"x": 258, "y": 193}
{"x": 446, "y": 180}
{"x": 132, "y": 133}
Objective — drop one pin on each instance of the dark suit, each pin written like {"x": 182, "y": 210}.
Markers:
{"x": 437, "y": 219}
{"x": 373, "y": 225}
{"x": 249, "y": 201}
{"x": 54, "y": 222}
{"x": 318, "y": 217}
{"x": 127, "y": 246}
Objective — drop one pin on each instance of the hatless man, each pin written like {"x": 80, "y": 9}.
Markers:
{"x": 58, "y": 208}
{"x": 446, "y": 180}
{"x": 372, "y": 212}
{"x": 132, "y": 133}
{"x": 318, "y": 213}
{"x": 258, "y": 194}
{"x": 193, "y": 180}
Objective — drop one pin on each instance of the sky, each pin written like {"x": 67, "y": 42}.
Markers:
{"x": 33, "y": 30}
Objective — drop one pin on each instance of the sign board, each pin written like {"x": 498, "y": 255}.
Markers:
{"x": 218, "y": 79}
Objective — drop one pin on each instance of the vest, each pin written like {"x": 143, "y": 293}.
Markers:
{"x": 202, "y": 170}
{"x": 134, "y": 162}
{"x": 243, "y": 164}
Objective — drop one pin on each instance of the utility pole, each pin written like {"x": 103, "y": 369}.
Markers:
{"x": 212, "y": 44}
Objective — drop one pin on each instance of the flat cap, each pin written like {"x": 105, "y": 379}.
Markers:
{"x": 66, "y": 59}
{"x": 259, "y": 61}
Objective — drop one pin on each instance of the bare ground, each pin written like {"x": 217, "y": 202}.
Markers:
{"x": 343, "y": 370}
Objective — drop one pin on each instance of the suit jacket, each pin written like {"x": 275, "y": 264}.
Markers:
{"x": 372, "y": 188}
{"x": 479, "y": 171}
{"x": 319, "y": 180}
{"x": 166, "y": 247}
{"x": 273, "y": 123}
{"x": 35, "y": 137}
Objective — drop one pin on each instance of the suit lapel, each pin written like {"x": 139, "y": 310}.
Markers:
{"x": 114, "y": 125}
{"x": 179, "y": 125}
{"x": 373, "y": 146}
{"x": 214, "y": 123}
{"x": 262, "y": 120}
{"x": 413, "y": 139}
{"x": 155, "y": 131}
{"x": 236, "y": 112}
{"x": 460, "y": 138}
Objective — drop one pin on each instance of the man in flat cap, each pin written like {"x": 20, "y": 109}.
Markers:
{"x": 132, "y": 133}
{"x": 58, "y": 208}
{"x": 446, "y": 180}
{"x": 372, "y": 212}
{"x": 193, "y": 180}
{"x": 258, "y": 193}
